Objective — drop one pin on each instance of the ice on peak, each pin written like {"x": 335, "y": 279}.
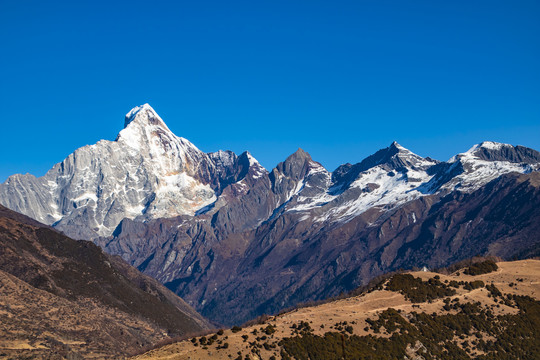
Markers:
{"x": 252, "y": 160}
{"x": 136, "y": 109}
{"x": 491, "y": 145}
{"x": 144, "y": 115}
{"x": 130, "y": 116}
{"x": 146, "y": 133}
{"x": 396, "y": 146}
{"x": 225, "y": 158}
{"x": 396, "y": 152}
{"x": 488, "y": 145}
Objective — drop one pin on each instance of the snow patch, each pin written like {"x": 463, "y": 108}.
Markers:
{"x": 86, "y": 196}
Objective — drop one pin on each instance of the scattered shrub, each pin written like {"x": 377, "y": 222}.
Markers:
{"x": 416, "y": 290}
{"x": 515, "y": 336}
{"x": 484, "y": 267}
{"x": 236, "y": 329}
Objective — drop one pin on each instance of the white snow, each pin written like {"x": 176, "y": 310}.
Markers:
{"x": 170, "y": 259}
{"x": 392, "y": 190}
{"x": 479, "y": 172}
{"x": 256, "y": 169}
{"x": 225, "y": 158}
{"x": 147, "y": 171}
{"x": 85, "y": 196}
{"x": 493, "y": 145}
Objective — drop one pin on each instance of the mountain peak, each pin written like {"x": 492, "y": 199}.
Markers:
{"x": 248, "y": 159}
{"x": 395, "y": 148}
{"x": 142, "y": 124}
{"x": 494, "y": 151}
{"x": 299, "y": 155}
{"x": 492, "y": 145}
{"x": 144, "y": 115}
{"x": 296, "y": 165}
{"x": 393, "y": 157}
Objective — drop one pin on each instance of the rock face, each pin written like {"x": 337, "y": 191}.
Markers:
{"x": 146, "y": 173}
{"x": 236, "y": 240}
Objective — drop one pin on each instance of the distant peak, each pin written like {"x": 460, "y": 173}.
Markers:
{"x": 144, "y": 115}
{"x": 395, "y": 146}
{"x": 494, "y": 151}
{"x": 492, "y": 145}
{"x": 394, "y": 157}
{"x": 299, "y": 154}
{"x": 251, "y": 160}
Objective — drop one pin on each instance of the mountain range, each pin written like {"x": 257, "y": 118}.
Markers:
{"x": 236, "y": 240}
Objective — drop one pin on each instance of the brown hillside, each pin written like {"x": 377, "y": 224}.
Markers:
{"x": 61, "y": 298}
{"x": 354, "y": 315}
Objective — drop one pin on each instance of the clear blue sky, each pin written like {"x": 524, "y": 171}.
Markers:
{"x": 340, "y": 79}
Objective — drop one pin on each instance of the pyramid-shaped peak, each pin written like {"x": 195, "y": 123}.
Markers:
{"x": 396, "y": 147}
{"x": 249, "y": 158}
{"x": 394, "y": 156}
{"x": 144, "y": 129}
{"x": 298, "y": 155}
{"x": 144, "y": 115}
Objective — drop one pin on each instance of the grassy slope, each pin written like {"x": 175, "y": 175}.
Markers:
{"x": 517, "y": 278}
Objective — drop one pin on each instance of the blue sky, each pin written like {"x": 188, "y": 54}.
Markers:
{"x": 340, "y": 79}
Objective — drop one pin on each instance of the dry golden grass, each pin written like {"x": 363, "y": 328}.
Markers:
{"x": 357, "y": 309}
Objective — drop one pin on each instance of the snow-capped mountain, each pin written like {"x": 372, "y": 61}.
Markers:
{"x": 236, "y": 240}
{"x": 146, "y": 173}
{"x": 395, "y": 175}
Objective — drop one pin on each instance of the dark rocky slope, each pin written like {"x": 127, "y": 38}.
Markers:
{"x": 286, "y": 261}
{"x": 108, "y": 307}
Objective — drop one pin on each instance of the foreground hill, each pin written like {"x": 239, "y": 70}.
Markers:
{"x": 418, "y": 315}
{"x": 61, "y": 298}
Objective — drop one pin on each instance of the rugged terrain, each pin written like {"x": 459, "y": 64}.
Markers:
{"x": 418, "y": 315}
{"x": 236, "y": 241}
{"x": 61, "y": 298}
